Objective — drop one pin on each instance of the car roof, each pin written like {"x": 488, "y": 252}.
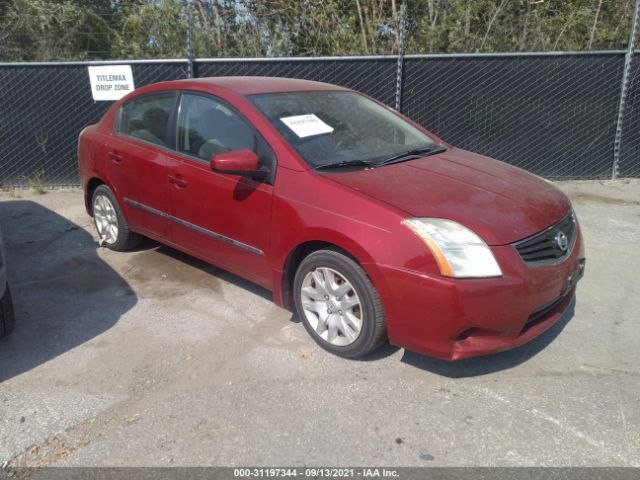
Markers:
{"x": 255, "y": 85}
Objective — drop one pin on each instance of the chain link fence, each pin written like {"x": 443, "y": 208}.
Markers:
{"x": 629, "y": 164}
{"x": 552, "y": 114}
{"x": 44, "y": 108}
{"x": 374, "y": 76}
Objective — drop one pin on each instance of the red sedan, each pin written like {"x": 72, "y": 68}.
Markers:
{"x": 368, "y": 225}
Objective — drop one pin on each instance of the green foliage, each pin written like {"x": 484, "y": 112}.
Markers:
{"x": 37, "y": 182}
{"x": 47, "y": 29}
{"x": 151, "y": 30}
{"x": 33, "y": 30}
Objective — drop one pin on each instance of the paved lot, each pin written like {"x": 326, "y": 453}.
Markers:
{"x": 154, "y": 358}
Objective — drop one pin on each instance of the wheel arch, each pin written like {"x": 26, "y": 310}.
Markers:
{"x": 301, "y": 251}
{"x": 92, "y": 184}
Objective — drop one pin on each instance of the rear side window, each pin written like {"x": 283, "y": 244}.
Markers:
{"x": 147, "y": 117}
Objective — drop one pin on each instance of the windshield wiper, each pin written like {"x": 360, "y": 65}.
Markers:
{"x": 416, "y": 152}
{"x": 346, "y": 163}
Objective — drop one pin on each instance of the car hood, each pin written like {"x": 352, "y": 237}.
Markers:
{"x": 500, "y": 202}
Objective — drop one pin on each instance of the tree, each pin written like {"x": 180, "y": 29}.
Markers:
{"x": 104, "y": 29}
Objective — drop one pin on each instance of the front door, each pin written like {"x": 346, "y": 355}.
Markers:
{"x": 222, "y": 217}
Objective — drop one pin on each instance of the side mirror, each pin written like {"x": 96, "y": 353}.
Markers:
{"x": 237, "y": 162}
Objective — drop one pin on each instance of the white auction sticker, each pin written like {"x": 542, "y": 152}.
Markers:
{"x": 111, "y": 82}
{"x": 306, "y": 125}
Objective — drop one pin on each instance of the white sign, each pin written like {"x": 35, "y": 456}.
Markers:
{"x": 111, "y": 82}
{"x": 306, "y": 125}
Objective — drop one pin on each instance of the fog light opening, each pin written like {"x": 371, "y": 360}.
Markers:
{"x": 464, "y": 335}
{"x": 474, "y": 332}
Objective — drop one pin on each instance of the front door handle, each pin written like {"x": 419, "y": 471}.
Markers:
{"x": 177, "y": 180}
{"x": 115, "y": 156}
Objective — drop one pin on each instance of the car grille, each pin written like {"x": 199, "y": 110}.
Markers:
{"x": 546, "y": 247}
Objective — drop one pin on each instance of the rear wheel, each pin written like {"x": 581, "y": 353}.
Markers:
{"x": 338, "y": 304}
{"x": 111, "y": 225}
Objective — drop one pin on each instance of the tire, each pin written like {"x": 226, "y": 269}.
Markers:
{"x": 353, "y": 302}
{"x": 105, "y": 208}
{"x": 7, "y": 315}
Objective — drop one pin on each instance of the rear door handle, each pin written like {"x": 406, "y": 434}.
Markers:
{"x": 177, "y": 180}
{"x": 115, "y": 156}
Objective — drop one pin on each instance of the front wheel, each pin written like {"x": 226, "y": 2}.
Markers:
{"x": 338, "y": 304}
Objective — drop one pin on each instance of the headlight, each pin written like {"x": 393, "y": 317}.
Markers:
{"x": 459, "y": 252}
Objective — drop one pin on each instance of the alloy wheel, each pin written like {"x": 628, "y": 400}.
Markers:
{"x": 331, "y": 306}
{"x": 106, "y": 219}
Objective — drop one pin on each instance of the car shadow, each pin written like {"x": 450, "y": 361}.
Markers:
{"x": 209, "y": 269}
{"x": 496, "y": 362}
{"x": 384, "y": 351}
{"x": 63, "y": 293}
{"x": 464, "y": 368}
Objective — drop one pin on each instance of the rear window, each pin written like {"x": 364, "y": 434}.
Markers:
{"x": 147, "y": 117}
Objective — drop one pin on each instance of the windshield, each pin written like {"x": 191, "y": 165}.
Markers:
{"x": 336, "y": 127}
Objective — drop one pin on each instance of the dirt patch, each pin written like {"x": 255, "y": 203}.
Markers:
{"x": 166, "y": 274}
{"x": 587, "y": 197}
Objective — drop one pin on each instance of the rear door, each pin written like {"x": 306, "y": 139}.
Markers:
{"x": 137, "y": 160}
{"x": 222, "y": 217}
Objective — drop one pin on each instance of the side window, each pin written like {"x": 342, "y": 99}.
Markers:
{"x": 147, "y": 117}
{"x": 207, "y": 127}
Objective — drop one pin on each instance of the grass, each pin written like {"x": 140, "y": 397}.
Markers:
{"x": 36, "y": 182}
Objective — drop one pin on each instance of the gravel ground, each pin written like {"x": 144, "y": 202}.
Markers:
{"x": 154, "y": 358}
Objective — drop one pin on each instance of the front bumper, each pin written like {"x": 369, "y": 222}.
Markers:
{"x": 454, "y": 319}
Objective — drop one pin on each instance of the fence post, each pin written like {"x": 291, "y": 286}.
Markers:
{"x": 623, "y": 89}
{"x": 400, "y": 69}
{"x": 190, "y": 70}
